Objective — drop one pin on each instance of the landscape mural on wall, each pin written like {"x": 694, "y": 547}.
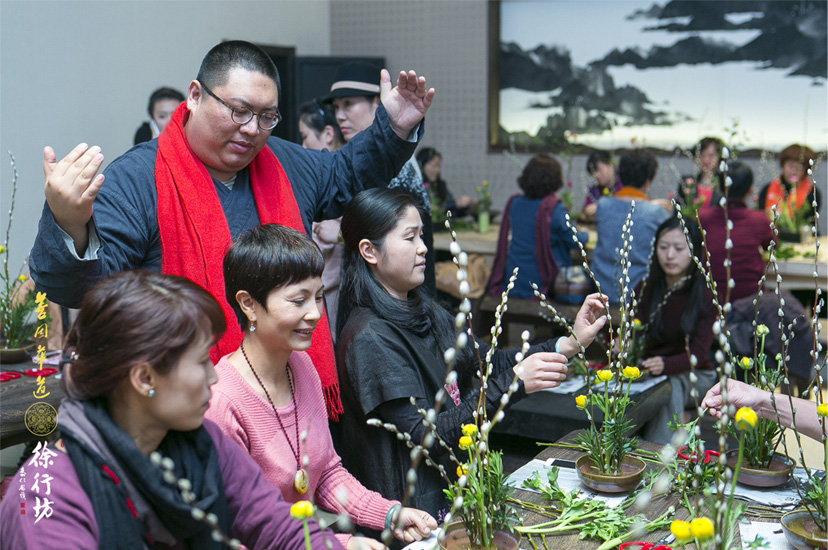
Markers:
{"x": 610, "y": 73}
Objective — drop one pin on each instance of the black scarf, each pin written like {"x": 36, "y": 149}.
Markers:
{"x": 93, "y": 442}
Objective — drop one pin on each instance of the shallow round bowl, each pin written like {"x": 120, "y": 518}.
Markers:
{"x": 776, "y": 474}
{"x": 457, "y": 539}
{"x": 632, "y": 470}
{"x": 802, "y": 531}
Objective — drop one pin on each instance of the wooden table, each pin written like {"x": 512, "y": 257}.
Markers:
{"x": 472, "y": 242}
{"x": 569, "y": 539}
{"x": 548, "y": 416}
{"x": 797, "y": 272}
{"x": 16, "y": 397}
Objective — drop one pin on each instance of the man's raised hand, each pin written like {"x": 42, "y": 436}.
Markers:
{"x": 407, "y": 103}
{"x": 71, "y": 187}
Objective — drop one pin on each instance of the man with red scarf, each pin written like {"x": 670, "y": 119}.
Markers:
{"x": 174, "y": 204}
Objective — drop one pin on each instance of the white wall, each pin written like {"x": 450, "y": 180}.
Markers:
{"x": 74, "y": 71}
{"x": 447, "y": 41}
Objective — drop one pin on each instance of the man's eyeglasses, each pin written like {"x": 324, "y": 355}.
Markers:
{"x": 243, "y": 115}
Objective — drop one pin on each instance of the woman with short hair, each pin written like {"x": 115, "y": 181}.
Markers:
{"x": 138, "y": 382}
{"x": 269, "y": 393}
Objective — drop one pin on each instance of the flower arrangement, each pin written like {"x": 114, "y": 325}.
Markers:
{"x": 15, "y": 307}
{"x": 438, "y": 214}
{"x": 760, "y": 442}
{"x": 757, "y": 437}
{"x": 481, "y": 490}
{"x": 484, "y": 198}
{"x": 608, "y": 445}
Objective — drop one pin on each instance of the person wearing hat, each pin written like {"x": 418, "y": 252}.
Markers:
{"x": 792, "y": 189}
{"x": 354, "y": 96}
{"x": 175, "y": 204}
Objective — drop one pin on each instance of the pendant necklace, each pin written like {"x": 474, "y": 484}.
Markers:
{"x": 300, "y": 480}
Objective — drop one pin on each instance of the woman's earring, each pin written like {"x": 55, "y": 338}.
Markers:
{"x": 151, "y": 393}
{"x": 252, "y": 326}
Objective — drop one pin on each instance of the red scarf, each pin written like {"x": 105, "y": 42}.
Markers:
{"x": 195, "y": 235}
{"x": 791, "y": 203}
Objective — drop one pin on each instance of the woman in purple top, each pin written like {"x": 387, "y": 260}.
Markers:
{"x": 139, "y": 382}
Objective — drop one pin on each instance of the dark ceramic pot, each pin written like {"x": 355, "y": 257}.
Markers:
{"x": 632, "y": 470}
{"x": 15, "y": 355}
{"x": 457, "y": 539}
{"x": 776, "y": 474}
{"x": 802, "y": 531}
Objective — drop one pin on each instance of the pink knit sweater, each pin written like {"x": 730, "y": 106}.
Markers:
{"x": 248, "y": 418}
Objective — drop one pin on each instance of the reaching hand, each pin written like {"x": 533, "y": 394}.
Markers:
{"x": 739, "y": 395}
{"x": 415, "y": 525}
{"x": 654, "y": 364}
{"x": 542, "y": 371}
{"x": 71, "y": 188}
{"x": 407, "y": 103}
{"x": 589, "y": 321}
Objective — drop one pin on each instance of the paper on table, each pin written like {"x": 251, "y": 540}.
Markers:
{"x": 567, "y": 480}
{"x": 751, "y": 529}
{"x": 785, "y": 495}
{"x": 569, "y": 386}
{"x": 427, "y": 544}
{"x": 577, "y": 384}
{"x": 640, "y": 387}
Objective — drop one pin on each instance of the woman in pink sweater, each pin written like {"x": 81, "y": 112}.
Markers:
{"x": 269, "y": 398}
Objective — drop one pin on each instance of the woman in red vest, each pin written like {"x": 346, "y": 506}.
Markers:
{"x": 792, "y": 189}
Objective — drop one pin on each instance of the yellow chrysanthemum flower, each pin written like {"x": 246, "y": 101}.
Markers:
{"x": 822, "y": 410}
{"x": 701, "y": 528}
{"x": 462, "y": 470}
{"x": 604, "y": 375}
{"x": 466, "y": 442}
{"x": 469, "y": 429}
{"x": 745, "y": 418}
{"x": 581, "y": 401}
{"x": 631, "y": 373}
{"x": 746, "y": 363}
{"x": 2, "y": 249}
{"x": 21, "y": 278}
{"x": 637, "y": 323}
{"x": 762, "y": 330}
{"x": 680, "y": 529}
{"x": 302, "y": 509}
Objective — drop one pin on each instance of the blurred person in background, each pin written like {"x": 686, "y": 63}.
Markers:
{"x": 319, "y": 130}
{"x": 162, "y": 104}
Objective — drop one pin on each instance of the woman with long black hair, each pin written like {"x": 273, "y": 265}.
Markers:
{"x": 677, "y": 310}
{"x": 391, "y": 349}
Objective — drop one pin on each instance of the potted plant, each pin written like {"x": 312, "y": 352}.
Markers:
{"x": 607, "y": 465}
{"x": 486, "y": 516}
{"x": 15, "y": 306}
{"x": 484, "y": 207}
{"x": 762, "y": 465}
